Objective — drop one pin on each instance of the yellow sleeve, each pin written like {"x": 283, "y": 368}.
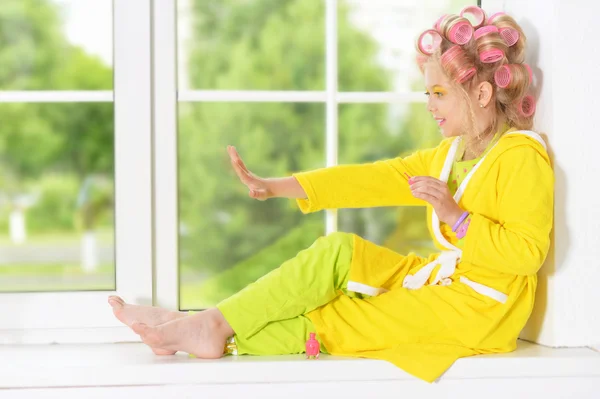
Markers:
{"x": 518, "y": 243}
{"x": 381, "y": 183}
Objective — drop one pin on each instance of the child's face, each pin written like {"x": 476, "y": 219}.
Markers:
{"x": 443, "y": 101}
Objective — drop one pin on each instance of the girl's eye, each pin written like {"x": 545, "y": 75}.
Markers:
{"x": 438, "y": 93}
{"x": 427, "y": 93}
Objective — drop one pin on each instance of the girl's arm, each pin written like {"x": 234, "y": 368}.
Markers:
{"x": 382, "y": 183}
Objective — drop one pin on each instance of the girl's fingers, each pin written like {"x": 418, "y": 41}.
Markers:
{"x": 235, "y": 157}
{"x": 242, "y": 164}
{"x": 232, "y": 153}
{"x": 431, "y": 193}
{"x": 426, "y": 197}
{"x": 241, "y": 173}
{"x": 429, "y": 189}
{"x": 245, "y": 176}
{"x": 238, "y": 159}
{"x": 418, "y": 185}
{"x": 427, "y": 179}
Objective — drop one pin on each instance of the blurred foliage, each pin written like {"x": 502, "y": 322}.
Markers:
{"x": 42, "y": 144}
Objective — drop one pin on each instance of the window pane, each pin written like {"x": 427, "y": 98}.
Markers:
{"x": 371, "y": 132}
{"x": 56, "y": 45}
{"x": 251, "y": 44}
{"x": 56, "y": 197}
{"x": 228, "y": 240}
{"x": 382, "y": 33}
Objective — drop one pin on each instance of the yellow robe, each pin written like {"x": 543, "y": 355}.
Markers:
{"x": 466, "y": 302}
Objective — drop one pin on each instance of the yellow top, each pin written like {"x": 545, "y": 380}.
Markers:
{"x": 485, "y": 301}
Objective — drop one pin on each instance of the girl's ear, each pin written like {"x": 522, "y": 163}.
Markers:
{"x": 484, "y": 95}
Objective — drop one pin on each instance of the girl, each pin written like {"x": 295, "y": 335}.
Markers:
{"x": 488, "y": 188}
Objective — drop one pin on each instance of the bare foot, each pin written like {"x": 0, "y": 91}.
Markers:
{"x": 150, "y": 315}
{"x": 202, "y": 334}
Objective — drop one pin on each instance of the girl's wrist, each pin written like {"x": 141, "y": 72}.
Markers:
{"x": 454, "y": 216}
{"x": 458, "y": 218}
{"x": 286, "y": 187}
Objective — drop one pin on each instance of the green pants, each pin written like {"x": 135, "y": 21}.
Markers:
{"x": 268, "y": 316}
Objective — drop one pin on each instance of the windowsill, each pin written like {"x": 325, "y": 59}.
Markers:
{"x": 132, "y": 364}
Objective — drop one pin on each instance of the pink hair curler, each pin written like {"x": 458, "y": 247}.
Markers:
{"x": 530, "y": 72}
{"x": 476, "y": 13}
{"x": 503, "y": 75}
{"x": 527, "y": 106}
{"x": 461, "y": 32}
{"x": 486, "y": 30}
{"x": 466, "y": 75}
{"x": 457, "y": 29}
{"x": 429, "y": 41}
{"x": 510, "y": 36}
{"x": 490, "y": 20}
{"x": 450, "y": 55}
{"x": 437, "y": 23}
{"x": 491, "y": 56}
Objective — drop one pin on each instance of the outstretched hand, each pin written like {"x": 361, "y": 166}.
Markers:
{"x": 257, "y": 187}
{"x": 437, "y": 193}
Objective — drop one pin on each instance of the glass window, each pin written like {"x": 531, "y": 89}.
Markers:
{"x": 56, "y": 158}
{"x": 251, "y": 44}
{"x": 228, "y": 240}
{"x": 56, "y": 45}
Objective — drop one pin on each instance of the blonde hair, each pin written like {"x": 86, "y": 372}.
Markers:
{"x": 470, "y": 64}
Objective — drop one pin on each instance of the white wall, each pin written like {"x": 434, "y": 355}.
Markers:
{"x": 565, "y": 57}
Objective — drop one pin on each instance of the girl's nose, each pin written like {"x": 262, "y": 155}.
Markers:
{"x": 430, "y": 107}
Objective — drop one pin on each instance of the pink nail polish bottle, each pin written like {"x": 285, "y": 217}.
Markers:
{"x": 312, "y": 347}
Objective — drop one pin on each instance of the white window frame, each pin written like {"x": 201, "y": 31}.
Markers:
{"x": 85, "y": 316}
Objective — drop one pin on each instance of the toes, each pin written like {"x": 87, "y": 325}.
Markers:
{"x": 114, "y": 304}
{"x": 116, "y": 301}
{"x": 119, "y": 310}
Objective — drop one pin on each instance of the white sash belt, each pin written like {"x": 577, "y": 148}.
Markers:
{"x": 447, "y": 261}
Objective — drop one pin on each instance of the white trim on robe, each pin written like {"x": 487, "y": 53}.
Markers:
{"x": 485, "y": 290}
{"x": 364, "y": 289}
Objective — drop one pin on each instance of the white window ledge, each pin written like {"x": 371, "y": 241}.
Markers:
{"x": 123, "y": 370}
